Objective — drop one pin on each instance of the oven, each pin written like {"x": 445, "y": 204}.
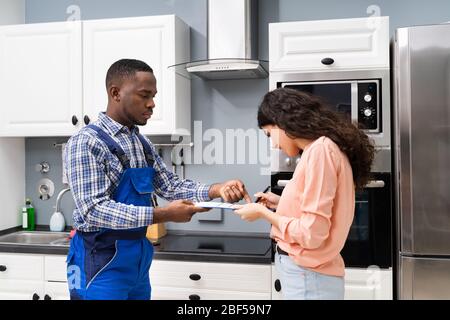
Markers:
{"x": 369, "y": 239}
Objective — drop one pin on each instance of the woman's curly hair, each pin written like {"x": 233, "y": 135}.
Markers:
{"x": 302, "y": 115}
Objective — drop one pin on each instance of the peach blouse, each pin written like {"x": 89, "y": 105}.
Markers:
{"x": 317, "y": 208}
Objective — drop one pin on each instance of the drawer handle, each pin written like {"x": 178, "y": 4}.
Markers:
{"x": 74, "y": 120}
{"x": 277, "y": 285}
{"x": 3, "y": 268}
{"x": 47, "y": 297}
{"x": 194, "y": 297}
{"x": 195, "y": 277}
{"x": 327, "y": 61}
{"x": 86, "y": 120}
{"x": 36, "y": 296}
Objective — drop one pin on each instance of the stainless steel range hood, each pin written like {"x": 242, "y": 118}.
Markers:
{"x": 232, "y": 42}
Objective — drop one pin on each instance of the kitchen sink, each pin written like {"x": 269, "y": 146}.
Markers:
{"x": 37, "y": 238}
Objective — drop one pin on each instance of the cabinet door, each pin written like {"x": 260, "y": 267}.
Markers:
{"x": 359, "y": 43}
{"x": 368, "y": 284}
{"x": 150, "y": 39}
{"x": 55, "y": 268}
{"x": 40, "y": 79}
{"x": 21, "y": 290}
{"x": 56, "y": 291}
{"x": 21, "y": 266}
{"x": 171, "y": 293}
{"x": 212, "y": 276}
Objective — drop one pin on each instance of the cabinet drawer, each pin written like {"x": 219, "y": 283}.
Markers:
{"x": 351, "y": 43}
{"x": 214, "y": 276}
{"x": 56, "y": 291}
{"x": 21, "y": 290}
{"x": 170, "y": 293}
{"x": 23, "y": 267}
{"x": 55, "y": 268}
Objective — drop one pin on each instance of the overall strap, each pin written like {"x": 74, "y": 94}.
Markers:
{"x": 112, "y": 145}
{"x": 147, "y": 150}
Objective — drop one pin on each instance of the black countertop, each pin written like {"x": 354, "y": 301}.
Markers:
{"x": 183, "y": 246}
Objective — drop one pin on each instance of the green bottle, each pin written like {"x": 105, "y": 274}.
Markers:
{"x": 31, "y": 215}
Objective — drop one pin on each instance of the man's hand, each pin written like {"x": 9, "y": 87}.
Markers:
{"x": 176, "y": 211}
{"x": 230, "y": 191}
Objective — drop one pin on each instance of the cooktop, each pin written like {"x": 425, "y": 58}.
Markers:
{"x": 215, "y": 244}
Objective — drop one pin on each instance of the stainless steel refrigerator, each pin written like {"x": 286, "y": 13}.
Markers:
{"x": 422, "y": 160}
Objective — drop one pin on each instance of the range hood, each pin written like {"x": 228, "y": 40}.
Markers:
{"x": 232, "y": 42}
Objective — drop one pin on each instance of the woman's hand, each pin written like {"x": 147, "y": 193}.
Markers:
{"x": 268, "y": 199}
{"x": 251, "y": 211}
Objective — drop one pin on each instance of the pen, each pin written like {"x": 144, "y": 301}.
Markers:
{"x": 259, "y": 198}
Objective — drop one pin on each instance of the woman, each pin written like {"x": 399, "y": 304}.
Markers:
{"x": 315, "y": 211}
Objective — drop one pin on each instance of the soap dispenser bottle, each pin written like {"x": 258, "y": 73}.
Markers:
{"x": 57, "y": 222}
{"x": 31, "y": 217}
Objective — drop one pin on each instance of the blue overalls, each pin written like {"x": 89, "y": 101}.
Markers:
{"x": 114, "y": 264}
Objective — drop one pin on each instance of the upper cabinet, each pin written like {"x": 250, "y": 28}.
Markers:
{"x": 327, "y": 45}
{"x": 160, "y": 41}
{"x": 52, "y": 76}
{"x": 40, "y": 79}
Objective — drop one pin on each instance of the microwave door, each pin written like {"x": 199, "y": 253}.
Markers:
{"x": 339, "y": 96}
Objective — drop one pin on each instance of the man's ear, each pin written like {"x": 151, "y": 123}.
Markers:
{"x": 114, "y": 93}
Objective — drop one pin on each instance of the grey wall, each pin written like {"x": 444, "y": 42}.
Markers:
{"x": 219, "y": 104}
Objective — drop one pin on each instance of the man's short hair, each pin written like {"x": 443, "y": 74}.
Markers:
{"x": 125, "y": 69}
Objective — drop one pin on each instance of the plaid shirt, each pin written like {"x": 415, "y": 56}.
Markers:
{"x": 94, "y": 172}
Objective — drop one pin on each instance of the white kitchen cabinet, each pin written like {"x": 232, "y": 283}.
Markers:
{"x": 360, "y": 284}
{"x": 40, "y": 79}
{"x": 352, "y": 44}
{"x": 56, "y": 291}
{"x": 368, "y": 284}
{"x": 173, "y": 293}
{"x": 52, "y": 75}
{"x": 21, "y": 276}
{"x": 208, "y": 280}
{"x": 160, "y": 41}
{"x": 33, "y": 277}
{"x": 15, "y": 289}
{"x": 21, "y": 266}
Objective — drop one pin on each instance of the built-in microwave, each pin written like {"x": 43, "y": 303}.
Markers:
{"x": 358, "y": 100}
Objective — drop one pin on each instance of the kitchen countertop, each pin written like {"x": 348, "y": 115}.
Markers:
{"x": 182, "y": 246}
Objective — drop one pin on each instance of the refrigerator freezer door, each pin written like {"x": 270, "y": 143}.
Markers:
{"x": 422, "y": 278}
{"x": 422, "y": 120}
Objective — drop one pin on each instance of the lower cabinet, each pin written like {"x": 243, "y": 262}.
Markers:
{"x": 360, "y": 284}
{"x": 43, "y": 277}
{"x": 56, "y": 291}
{"x": 368, "y": 284}
{"x": 209, "y": 280}
{"x": 33, "y": 277}
{"x": 14, "y": 289}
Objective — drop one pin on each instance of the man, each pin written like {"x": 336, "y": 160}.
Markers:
{"x": 113, "y": 173}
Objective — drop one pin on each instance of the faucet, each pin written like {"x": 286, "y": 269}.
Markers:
{"x": 58, "y": 199}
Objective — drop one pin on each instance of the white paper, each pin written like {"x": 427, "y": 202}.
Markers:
{"x": 219, "y": 205}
